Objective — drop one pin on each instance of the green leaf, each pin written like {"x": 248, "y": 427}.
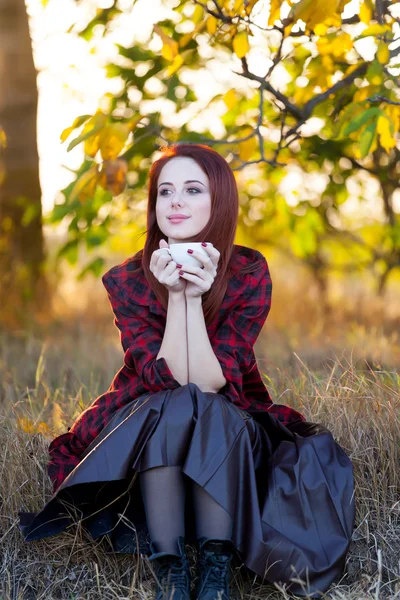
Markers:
{"x": 136, "y": 53}
{"x": 95, "y": 236}
{"x": 96, "y": 267}
{"x": 83, "y": 136}
{"x": 57, "y": 214}
{"x": 69, "y": 251}
{"x": 366, "y": 139}
{"x": 362, "y": 118}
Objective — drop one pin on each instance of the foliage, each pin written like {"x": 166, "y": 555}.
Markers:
{"x": 335, "y": 123}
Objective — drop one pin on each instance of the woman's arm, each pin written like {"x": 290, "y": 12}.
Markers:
{"x": 223, "y": 361}
{"x": 174, "y": 343}
{"x": 141, "y": 339}
{"x": 204, "y": 368}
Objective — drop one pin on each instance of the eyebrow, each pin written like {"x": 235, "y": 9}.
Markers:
{"x": 188, "y": 181}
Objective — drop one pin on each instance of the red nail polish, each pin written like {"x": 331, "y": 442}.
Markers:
{"x": 203, "y": 244}
{"x": 181, "y": 272}
{"x": 190, "y": 251}
{"x": 179, "y": 266}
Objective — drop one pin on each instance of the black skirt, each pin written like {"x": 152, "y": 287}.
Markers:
{"x": 289, "y": 489}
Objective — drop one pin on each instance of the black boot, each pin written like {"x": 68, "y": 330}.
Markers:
{"x": 213, "y": 567}
{"x": 172, "y": 573}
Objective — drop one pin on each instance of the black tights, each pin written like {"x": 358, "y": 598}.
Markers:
{"x": 164, "y": 493}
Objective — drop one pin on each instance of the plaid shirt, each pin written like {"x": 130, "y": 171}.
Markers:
{"x": 141, "y": 318}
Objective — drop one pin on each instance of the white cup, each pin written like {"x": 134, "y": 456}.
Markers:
{"x": 180, "y": 255}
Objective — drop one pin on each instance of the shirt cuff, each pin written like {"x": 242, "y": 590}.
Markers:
{"x": 163, "y": 375}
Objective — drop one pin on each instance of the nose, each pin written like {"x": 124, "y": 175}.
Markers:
{"x": 176, "y": 199}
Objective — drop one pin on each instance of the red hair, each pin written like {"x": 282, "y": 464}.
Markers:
{"x": 220, "y": 229}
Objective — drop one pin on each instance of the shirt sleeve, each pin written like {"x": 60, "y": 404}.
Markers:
{"x": 234, "y": 339}
{"x": 140, "y": 340}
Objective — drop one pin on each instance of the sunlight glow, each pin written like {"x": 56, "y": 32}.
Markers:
{"x": 71, "y": 79}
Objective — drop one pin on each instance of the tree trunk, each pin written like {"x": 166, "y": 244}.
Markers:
{"x": 23, "y": 287}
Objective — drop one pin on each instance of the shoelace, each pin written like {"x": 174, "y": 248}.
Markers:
{"x": 174, "y": 573}
{"x": 218, "y": 571}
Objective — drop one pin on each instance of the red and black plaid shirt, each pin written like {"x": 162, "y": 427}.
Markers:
{"x": 141, "y": 319}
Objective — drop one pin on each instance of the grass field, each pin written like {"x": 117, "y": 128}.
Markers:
{"x": 339, "y": 368}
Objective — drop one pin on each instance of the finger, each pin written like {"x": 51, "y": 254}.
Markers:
{"x": 211, "y": 250}
{"x": 163, "y": 256}
{"x": 159, "y": 259}
{"x": 169, "y": 269}
{"x": 199, "y": 281}
{"x": 207, "y": 262}
{"x": 197, "y": 273}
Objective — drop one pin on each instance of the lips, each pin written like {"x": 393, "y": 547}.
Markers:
{"x": 177, "y": 219}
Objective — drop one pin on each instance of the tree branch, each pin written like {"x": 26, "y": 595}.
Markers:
{"x": 292, "y": 108}
{"x": 382, "y": 99}
{"x": 311, "y": 104}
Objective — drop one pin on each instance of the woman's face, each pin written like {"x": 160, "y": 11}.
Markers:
{"x": 183, "y": 188}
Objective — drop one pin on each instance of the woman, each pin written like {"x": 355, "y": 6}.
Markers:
{"x": 186, "y": 444}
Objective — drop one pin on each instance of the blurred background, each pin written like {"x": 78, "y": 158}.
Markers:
{"x": 302, "y": 103}
{"x": 302, "y": 99}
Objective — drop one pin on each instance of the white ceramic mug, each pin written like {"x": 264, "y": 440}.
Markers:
{"x": 180, "y": 255}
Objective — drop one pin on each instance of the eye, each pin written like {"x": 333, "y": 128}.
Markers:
{"x": 168, "y": 190}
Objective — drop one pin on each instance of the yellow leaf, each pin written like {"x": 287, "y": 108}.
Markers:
{"x": 303, "y": 94}
{"x": 393, "y": 113}
{"x": 113, "y": 139}
{"x": 375, "y": 29}
{"x": 300, "y": 9}
{"x": 185, "y": 39}
{"x": 25, "y": 424}
{"x": 274, "y": 11}
{"x": 66, "y": 132}
{"x": 363, "y": 92}
{"x": 85, "y": 186}
{"x": 238, "y": 5}
{"x": 42, "y": 427}
{"x": 350, "y": 69}
{"x": 170, "y": 47}
{"x": 385, "y": 129}
{"x": 91, "y": 143}
{"x": 198, "y": 13}
{"x": 383, "y": 54}
{"x": 113, "y": 175}
{"x": 77, "y": 123}
{"x": 133, "y": 121}
{"x": 248, "y": 147}
{"x": 338, "y": 45}
{"x": 365, "y": 13}
{"x": 316, "y": 12}
{"x": 171, "y": 69}
{"x": 321, "y": 29}
{"x": 230, "y": 99}
{"x": 249, "y": 6}
{"x": 211, "y": 25}
{"x": 241, "y": 44}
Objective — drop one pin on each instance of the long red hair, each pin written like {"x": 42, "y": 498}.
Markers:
{"x": 220, "y": 229}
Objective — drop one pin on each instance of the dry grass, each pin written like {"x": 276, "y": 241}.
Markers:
{"x": 342, "y": 371}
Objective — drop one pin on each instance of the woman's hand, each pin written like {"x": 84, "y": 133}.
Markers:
{"x": 200, "y": 279}
{"x": 165, "y": 270}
